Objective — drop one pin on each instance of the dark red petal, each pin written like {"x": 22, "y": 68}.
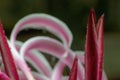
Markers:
{"x": 91, "y": 53}
{"x": 73, "y": 72}
{"x": 3, "y": 76}
{"x": 100, "y": 33}
{"x": 93, "y": 15}
{"x": 7, "y": 56}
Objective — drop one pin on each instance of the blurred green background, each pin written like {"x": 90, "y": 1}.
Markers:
{"x": 74, "y": 13}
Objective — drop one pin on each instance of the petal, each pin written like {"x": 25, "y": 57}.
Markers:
{"x": 44, "y": 21}
{"x": 58, "y": 70}
{"x": 20, "y": 62}
{"x": 65, "y": 78}
{"x": 52, "y": 47}
{"x": 104, "y": 77}
{"x": 39, "y": 76}
{"x": 47, "y": 45}
{"x": 34, "y": 58}
{"x": 37, "y": 60}
{"x": 36, "y": 75}
{"x": 80, "y": 56}
{"x": 100, "y": 45}
{"x": 91, "y": 49}
{"x": 60, "y": 66}
{"x": 7, "y": 56}
{"x": 73, "y": 72}
{"x": 3, "y": 76}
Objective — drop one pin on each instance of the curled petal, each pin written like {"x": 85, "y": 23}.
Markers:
{"x": 36, "y": 59}
{"x": 58, "y": 70}
{"x": 47, "y": 45}
{"x": 41, "y": 65}
{"x": 50, "y": 46}
{"x": 59, "y": 67}
{"x": 44, "y": 21}
{"x": 20, "y": 62}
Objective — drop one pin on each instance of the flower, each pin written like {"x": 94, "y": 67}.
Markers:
{"x": 16, "y": 57}
{"x": 94, "y": 48}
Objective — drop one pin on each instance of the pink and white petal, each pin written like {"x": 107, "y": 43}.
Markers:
{"x": 41, "y": 65}
{"x": 15, "y": 53}
{"x": 58, "y": 70}
{"x": 44, "y": 21}
{"x": 37, "y": 60}
{"x": 65, "y": 78}
{"x": 50, "y": 46}
{"x": 59, "y": 67}
{"x": 36, "y": 75}
{"x": 40, "y": 76}
{"x": 47, "y": 45}
{"x": 20, "y": 62}
{"x": 104, "y": 76}
{"x": 0, "y": 59}
{"x": 80, "y": 56}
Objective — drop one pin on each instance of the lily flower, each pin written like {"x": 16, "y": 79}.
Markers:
{"x": 15, "y": 53}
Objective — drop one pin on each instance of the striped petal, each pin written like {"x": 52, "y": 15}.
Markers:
{"x": 37, "y": 60}
{"x": 60, "y": 66}
{"x": 47, "y": 45}
{"x": 20, "y": 62}
{"x": 52, "y": 47}
{"x": 44, "y": 21}
{"x": 58, "y": 70}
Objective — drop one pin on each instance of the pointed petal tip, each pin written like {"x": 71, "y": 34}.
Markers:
{"x": 76, "y": 59}
{"x": 92, "y": 11}
{"x": 73, "y": 72}
{"x": 92, "y": 16}
{"x": 102, "y": 16}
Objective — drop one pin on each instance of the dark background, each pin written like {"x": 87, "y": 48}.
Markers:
{"x": 74, "y": 13}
